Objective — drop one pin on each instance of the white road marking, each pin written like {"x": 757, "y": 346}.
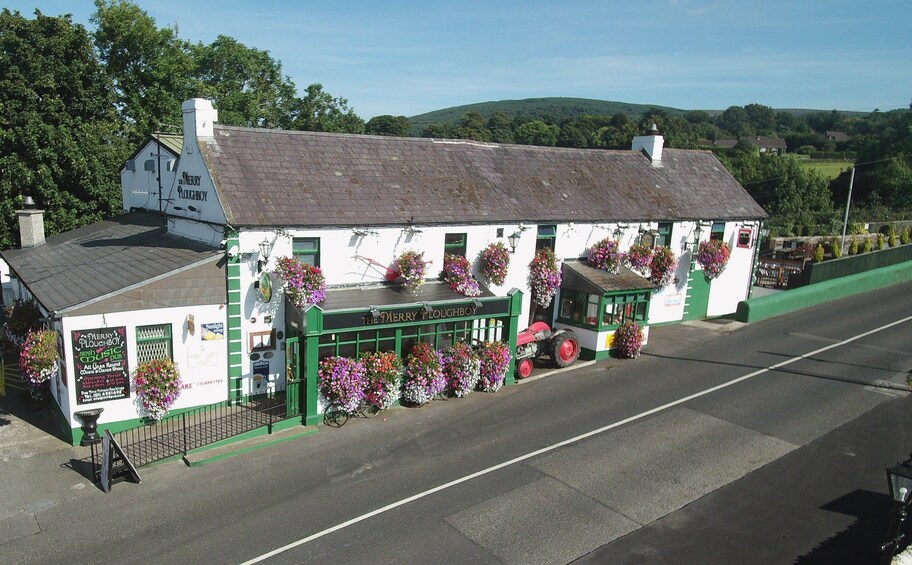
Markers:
{"x": 564, "y": 443}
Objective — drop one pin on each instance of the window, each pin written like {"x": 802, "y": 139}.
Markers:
{"x": 664, "y": 238}
{"x": 454, "y": 244}
{"x": 717, "y": 231}
{"x": 621, "y": 308}
{"x": 153, "y": 342}
{"x": 306, "y": 250}
{"x": 579, "y": 308}
{"x": 547, "y": 235}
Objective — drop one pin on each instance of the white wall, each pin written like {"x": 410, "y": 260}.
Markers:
{"x": 733, "y": 285}
{"x": 139, "y": 188}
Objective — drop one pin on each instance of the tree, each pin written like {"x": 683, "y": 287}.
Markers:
{"x": 245, "y": 84}
{"x": 59, "y": 133}
{"x": 151, "y": 68}
{"x": 761, "y": 118}
{"x": 735, "y": 122}
{"x": 536, "y": 132}
{"x": 472, "y": 126}
{"x": 320, "y": 111}
{"x": 396, "y": 126}
{"x": 571, "y": 136}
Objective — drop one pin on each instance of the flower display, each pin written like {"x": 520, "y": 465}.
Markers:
{"x": 21, "y": 318}
{"x": 383, "y": 378}
{"x": 495, "y": 263}
{"x": 38, "y": 360}
{"x": 662, "y": 266}
{"x": 304, "y": 284}
{"x": 423, "y": 374}
{"x": 544, "y": 278}
{"x": 638, "y": 257}
{"x": 713, "y": 257}
{"x": 157, "y": 384}
{"x": 605, "y": 255}
{"x": 412, "y": 268}
{"x": 495, "y": 359}
{"x": 628, "y": 339}
{"x": 457, "y": 271}
{"x": 461, "y": 368}
{"x": 342, "y": 382}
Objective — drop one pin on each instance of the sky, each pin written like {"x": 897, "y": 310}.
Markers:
{"x": 409, "y": 57}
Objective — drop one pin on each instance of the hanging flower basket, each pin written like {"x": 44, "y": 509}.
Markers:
{"x": 157, "y": 384}
{"x": 495, "y": 359}
{"x": 412, "y": 269}
{"x": 713, "y": 256}
{"x": 495, "y": 263}
{"x": 21, "y": 318}
{"x": 606, "y": 255}
{"x": 423, "y": 375}
{"x": 461, "y": 368}
{"x": 544, "y": 278}
{"x": 457, "y": 271}
{"x": 628, "y": 339}
{"x": 639, "y": 257}
{"x": 662, "y": 266}
{"x": 383, "y": 378}
{"x": 304, "y": 284}
{"x": 38, "y": 360}
{"x": 342, "y": 382}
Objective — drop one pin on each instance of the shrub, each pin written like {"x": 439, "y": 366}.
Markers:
{"x": 423, "y": 374}
{"x": 713, "y": 256}
{"x": 605, "y": 255}
{"x": 304, "y": 284}
{"x": 382, "y": 377}
{"x": 894, "y": 240}
{"x": 853, "y": 247}
{"x": 157, "y": 384}
{"x": 662, "y": 266}
{"x": 818, "y": 255}
{"x": 906, "y": 235}
{"x": 836, "y": 244}
{"x": 495, "y": 359}
{"x": 880, "y": 241}
{"x": 495, "y": 263}
{"x": 457, "y": 271}
{"x": 342, "y": 383}
{"x": 868, "y": 245}
{"x": 412, "y": 268}
{"x": 461, "y": 368}
{"x": 628, "y": 339}
{"x": 544, "y": 278}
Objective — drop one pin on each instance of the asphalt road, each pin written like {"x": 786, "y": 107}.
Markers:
{"x": 697, "y": 452}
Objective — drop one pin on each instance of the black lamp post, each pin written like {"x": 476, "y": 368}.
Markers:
{"x": 899, "y": 477}
{"x": 514, "y": 241}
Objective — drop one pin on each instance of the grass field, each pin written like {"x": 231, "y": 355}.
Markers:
{"x": 829, "y": 169}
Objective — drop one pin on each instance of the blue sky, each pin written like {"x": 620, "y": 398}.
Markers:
{"x": 409, "y": 57}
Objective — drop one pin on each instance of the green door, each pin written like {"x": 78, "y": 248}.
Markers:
{"x": 292, "y": 377}
{"x": 697, "y": 301}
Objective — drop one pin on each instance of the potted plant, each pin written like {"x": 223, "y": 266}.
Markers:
{"x": 628, "y": 340}
{"x": 38, "y": 360}
{"x": 605, "y": 255}
{"x": 495, "y": 263}
{"x": 495, "y": 359}
{"x": 639, "y": 257}
{"x": 662, "y": 266}
{"x": 544, "y": 278}
{"x": 304, "y": 284}
{"x": 383, "y": 378}
{"x": 412, "y": 269}
{"x": 157, "y": 384}
{"x": 461, "y": 368}
{"x": 713, "y": 257}
{"x": 457, "y": 271}
{"x": 423, "y": 375}
{"x": 341, "y": 381}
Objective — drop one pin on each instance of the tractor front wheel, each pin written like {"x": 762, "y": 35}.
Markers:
{"x": 525, "y": 367}
{"x": 565, "y": 349}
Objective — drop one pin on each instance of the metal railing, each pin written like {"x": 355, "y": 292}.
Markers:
{"x": 775, "y": 273}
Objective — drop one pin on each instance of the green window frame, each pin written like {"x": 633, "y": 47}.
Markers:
{"x": 579, "y": 308}
{"x": 664, "y": 238}
{"x": 546, "y": 237}
{"x": 717, "y": 231}
{"x": 625, "y": 307}
{"x": 306, "y": 250}
{"x": 153, "y": 342}
{"x": 455, "y": 244}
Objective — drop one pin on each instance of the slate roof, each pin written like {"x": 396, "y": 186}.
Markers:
{"x": 386, "y": 295}
{"x": 282, "y": 178}
{"x": 97, "y": 260}
{"x": 578, "y": 275}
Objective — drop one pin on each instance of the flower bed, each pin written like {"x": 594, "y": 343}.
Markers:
{"x": 662, "y": 266}
{"x": 461, "y": 368}
{"x": 713, "y": 257}
{"x": 457, "y": 271}
{"x": 495, "y": 263}
{"x": 423, "y": 375}
{"x": 304, "y": 284}
{"x": 38, "y": 360}
{"x": 605, "y": 255}
{"x": 383, "y": 378}
{"x": 157, "y": 384}
{"x": 342, "y": 383}
{"x": 544, "y": 278}
{"x": 412, "y": 269}
{"x": 628, "y": 339}
{"x": 495, "y": 359}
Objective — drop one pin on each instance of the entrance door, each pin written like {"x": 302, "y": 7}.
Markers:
{"x": 292, "y": 377}
{"x": 697, "y": 296}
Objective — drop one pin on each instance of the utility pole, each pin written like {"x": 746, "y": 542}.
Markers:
{"x": 845, "y": 222}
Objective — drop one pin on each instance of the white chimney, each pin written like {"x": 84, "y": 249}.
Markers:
{"x": 651, "y": 143}
{"x": 199, "y": 118}
{"x": 31, "y": 224}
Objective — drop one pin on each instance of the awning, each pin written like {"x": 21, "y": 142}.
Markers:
{"x": 579, "y": 276}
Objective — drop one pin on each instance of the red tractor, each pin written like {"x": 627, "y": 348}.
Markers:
{"x": 537, "y": 340}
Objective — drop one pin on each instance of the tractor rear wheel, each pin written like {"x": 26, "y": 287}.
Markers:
{"x": 565, "y": 349}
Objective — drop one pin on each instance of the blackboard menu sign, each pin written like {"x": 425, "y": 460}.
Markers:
{"x": 100, "y": 357}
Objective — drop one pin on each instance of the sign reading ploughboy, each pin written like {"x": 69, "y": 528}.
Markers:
{"x": 100, "y": 358}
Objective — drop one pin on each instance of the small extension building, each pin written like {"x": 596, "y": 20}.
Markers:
{"x": 186, "y": 272}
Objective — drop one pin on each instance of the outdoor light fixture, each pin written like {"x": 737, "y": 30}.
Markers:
{"x": 899, "y": 477}
{"x": 761, "y": 235}
{"x": 476, "y": 303}
{"x": 698, "y": 231}
{"x": 375, "y": 314}
{"x": 265, "y": 250}
{"x": 426, "y": 307}
{"x": 618, "y": 232}
{"x": 362, "y": 232}
{"x": 514, "y": 241}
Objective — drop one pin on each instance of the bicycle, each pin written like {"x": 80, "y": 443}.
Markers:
{"x": 334, "y": 417}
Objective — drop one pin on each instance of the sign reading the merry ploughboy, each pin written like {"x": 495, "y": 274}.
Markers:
{"x": 100, "y": 357}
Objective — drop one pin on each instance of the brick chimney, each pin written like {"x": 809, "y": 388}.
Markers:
{"x": 651, "y": 143}
{"x": 31, "y": 224}
{"x": 199, "y": 118}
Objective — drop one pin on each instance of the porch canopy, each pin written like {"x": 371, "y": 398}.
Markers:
{"x": 580, "y": 276}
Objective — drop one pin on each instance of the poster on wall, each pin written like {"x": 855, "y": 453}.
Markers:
{"x": 100, "y": 360}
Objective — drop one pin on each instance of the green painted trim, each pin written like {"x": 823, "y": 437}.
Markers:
{"x": 587, "y": 354}
{"x": 235, "y": 336}
{"x": 764, "y": 307}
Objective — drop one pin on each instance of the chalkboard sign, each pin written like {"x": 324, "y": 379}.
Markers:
{"x": 114, "y": 463}
{"x": 100, "y": 359}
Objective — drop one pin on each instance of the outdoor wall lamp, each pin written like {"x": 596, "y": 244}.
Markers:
{"x": 375, "y": 314}
{"x": 698, "y": 231}
{"x": 514, "y": 241}
{"x": 618, "y": 232}
{"x": 899, "y": 477}
{"x": 761, "y": 235}
{"x": 363, "y": 232}
{"x": 265, "y": 250}
{"x": 426, "y": 307}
